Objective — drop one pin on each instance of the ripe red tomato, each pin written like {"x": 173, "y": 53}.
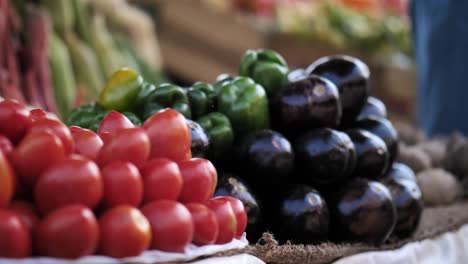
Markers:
{"x": 227, "y": 223}
{"x": 124, "y": 232}
{"x": 162, "y": 180}
{"x": 200, "y": 179}
{"x": 205, "y": 222}
{"x": 7, "y": 181}
{"x": 130, "y": 144}
{"x": 171, "y": 225}
{"x": 15, "y": 240}
{"x": 239, "y": 211}
{"x": 69, "y": 232}
{"x": 105, "y": 137}
{"x": 122, "y": 184}
{"x": 87, "y": 143}
{"x": 73, "y": 180}
{"x": 35, "y": 153}
{"x": 6, "y": 146}
{"x": 14, "y": 120}
{"x": 169, "y": 135}
{"x": 27, "y": 213}
{"x": 59, "y": 129}
{"x": 113, "y": 122}
{"x": 37, "y": 114}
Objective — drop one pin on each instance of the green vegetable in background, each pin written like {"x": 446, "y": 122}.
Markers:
{"x": 121, "y": 90}
{"x": 142, "y": 96}
{"x": 245, "y": 103}
{"x": 133, "y": 117}
{"x": 218, "y": 128}
{"x": 202, "y": 98}
{"x": 87, "y": 116}
{"x": 265, "y": 67}
{"x": 167, "y": 95}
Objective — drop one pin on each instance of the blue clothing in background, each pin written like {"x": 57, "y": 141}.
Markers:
{"x": 440, "y": 36}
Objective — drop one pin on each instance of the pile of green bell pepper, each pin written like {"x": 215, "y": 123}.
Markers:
{"x": 218, "y": 128}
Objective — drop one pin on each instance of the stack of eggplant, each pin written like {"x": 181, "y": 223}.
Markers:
{"x": 325, "y": 170}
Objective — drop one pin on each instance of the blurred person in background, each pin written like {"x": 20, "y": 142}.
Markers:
{"x": 440, "y": 39}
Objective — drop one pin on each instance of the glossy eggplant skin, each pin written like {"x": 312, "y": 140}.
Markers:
{"x": 324, "y": 157}
{"x": 372, "y": 154}
{"x": 401, "y": 171}
{"x": 303, "y": 216}
{"x": 373, "y": 108}
{"x": 296, "y": 74}
{"x": 408, "y": 202}
{"x": 231, "y": 185}
{"x": 352, "y": 78}
{"x": 200, "y": 144}
{"x": 267, "y": 156}
{"x": 382, "y": 128}
{"x": 363, "y": 211}
{"x": 307, "y": 103}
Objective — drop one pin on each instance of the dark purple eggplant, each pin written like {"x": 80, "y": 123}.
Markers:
{"x": 267, "y": 157}
{"x": 311, "y": 102}
{"x": 372, "y": 154}
{"x": 382, "y": 128}
{"x": 363, "y": 211}
{"x": 200, "y": 144}
{"x": 373, "y": 108}
{"x": 296, "y": 74}
{"x": 303, "y": 216}
{"x": 352, "y": 78}
{"x": 401, "y": 171}
{"x": 324, "y": 156}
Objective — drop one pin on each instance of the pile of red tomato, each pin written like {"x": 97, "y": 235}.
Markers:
{"x": 68, "y": 192}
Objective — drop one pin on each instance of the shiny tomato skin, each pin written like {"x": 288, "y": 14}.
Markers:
{"x": 15, "y": 120}
{"x": 205, "y": 223}
{"x": 200, "y": 179}
{"x": 15, "y": 240}
{"x": 75, "y": 180}
{"x": 37, "y": 114}
{"x": 69, "y": 232}
{"x": 171, "y": 223}
{"x": 59, "y": 129}
{"x": 169, "y": 135}
{"x": 27, "y": 213}
{"x": 7, "y": 181}
{"x": 130, "y": 144}
{"x": 124, "y": 232}
{"x": 122, "y": 184}
{"x": 113, "y": 122}
{"x": 227, "y": 223}
{"x": 36, "y": 153}
{"x": 87, "y": 143}
{"x": 162, "y": 180}
{"x": 6, "y": 146}
{"x": 239, "y": 211}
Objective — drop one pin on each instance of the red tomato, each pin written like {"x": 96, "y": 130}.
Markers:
{"x": 122, "y": 184}
{"x": 130, "y": 144}
{"x": 113, "y": 122}
{"x": 14, "y": 120}
{"x": 59, "y": 129}
{"x": 105, "y": 137}
{"x": 87, "y": 143}
{"x": 206, "y": 224}
{"x": 239, "y": 211}
{"x": 73, "y": 180}
{"x": 15, "y": 240}
{"x": 171, "y": 225}
{"x": 124, "y": 232}
{"x": 161, "y": 180}
{"x": 27, "y": 213}
{"x": 37, "y": 114}
{"x": 7, "y": 181}
{"x": 69, "y": 232}
{"x": 200, "y": 178}
{"x": 6, "y": 146}
{"x": 227, "y": 223}
{"x": 169, "y": 135}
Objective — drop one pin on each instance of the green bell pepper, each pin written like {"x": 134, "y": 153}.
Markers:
{"x": 202, "y": 98}
{"x": 87, "y": 116}
{"x": 218, "y": 128}
{"x": 265, "y": 67}
{"x": 164, "y": 96}
{"x": 121, "y": 90}
{"x": 245, "y": 103}
{"x": 221, "y": 80}
{"x": 142, "y": 96}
